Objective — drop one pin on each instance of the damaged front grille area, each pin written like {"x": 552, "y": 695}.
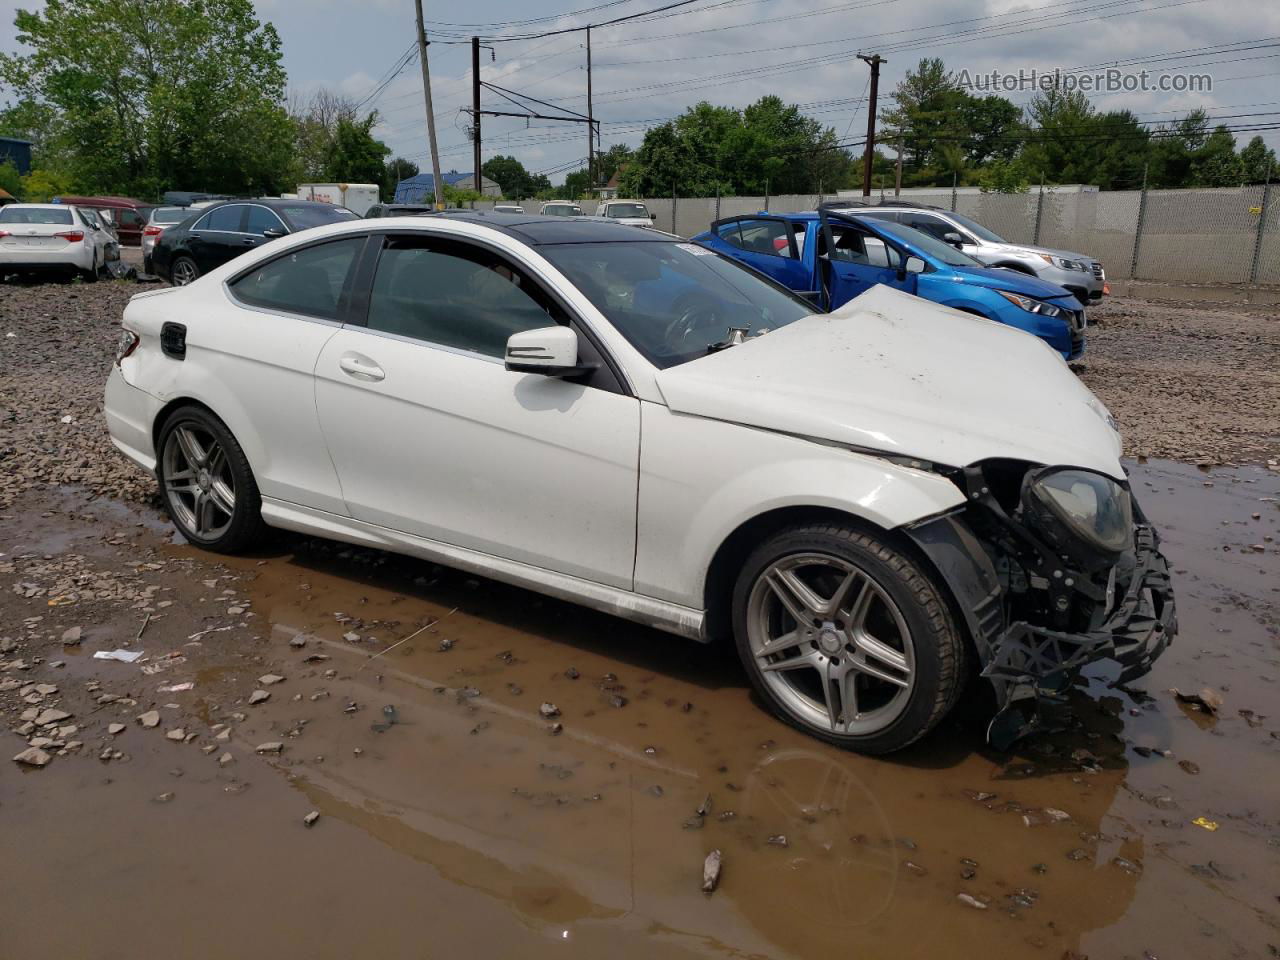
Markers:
{"x": 1035, "y": 618}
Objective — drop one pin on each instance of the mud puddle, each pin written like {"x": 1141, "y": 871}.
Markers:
{"x": 464, "y": 819}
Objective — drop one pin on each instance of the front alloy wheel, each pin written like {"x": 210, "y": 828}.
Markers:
{"x": 207, "y": 483}
{"x": 846, "y": 638}
{"x": 184, "y": 271}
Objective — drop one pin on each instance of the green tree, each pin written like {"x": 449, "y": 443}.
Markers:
{"x": 354, "y": 155}
{"x": 608, "y": 162}
{"x": 509, "y": 174}
{"x": 166, "y": 93}
{"x": 577, "y": 184}
{"x": 41, "y": 186}
{"x": 1258, "y": 162}
{"x": 1216, "y": 163}
{"x": 396, "y": 170}
{"x": 11, "y": 180}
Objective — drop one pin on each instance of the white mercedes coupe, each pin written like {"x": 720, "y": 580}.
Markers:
{"x": 874, "y": 506}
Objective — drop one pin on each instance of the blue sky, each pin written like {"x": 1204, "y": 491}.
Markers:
{"x": 735, "y": 51}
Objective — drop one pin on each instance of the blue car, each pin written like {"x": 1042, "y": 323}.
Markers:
{"x": 793, "y": 250}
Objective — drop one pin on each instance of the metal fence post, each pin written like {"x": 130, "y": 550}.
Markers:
{"x": 953, "y": 191}
{"x": 1035, "y": 237}
{"x": 673, "y": 208}
{"x": 1137, "y": 233}
{"x": 1262, "y": 228}
{"x": 766, "y": 194}
{"x": 717, "y": 199}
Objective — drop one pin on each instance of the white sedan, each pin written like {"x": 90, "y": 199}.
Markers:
{"x": 50, "y": 238}
{"x": 871, "y": 505}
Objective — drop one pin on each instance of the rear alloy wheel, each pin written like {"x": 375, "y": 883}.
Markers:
{"x": 207, "y": 484}
{"x": 184, "y": 271}
{"x": 846, "y": 638}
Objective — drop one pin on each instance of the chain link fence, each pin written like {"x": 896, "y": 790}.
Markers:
{"x": 1219, "y": 235}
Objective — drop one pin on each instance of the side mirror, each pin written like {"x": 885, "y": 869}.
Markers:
{"x": 272, "y": 232}
{"x": 954, "y": 239}
{"x": 653, "y": 216}
{"x": 913, "y": 265}
{"x": 550, "y": 351}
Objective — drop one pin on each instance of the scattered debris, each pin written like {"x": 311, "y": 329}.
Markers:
{"x": 971, "y": 901}
{"x": 711, "y": 872}
{"x": 1206, "y": 823}
{"x": 1207, "y": 700}
{"x": 72, "y": 636}
{"x": 32, "y": 757}
{"x": 311, "y": 818}
{"x": 549, "y": 710}
{"x": 269, "y": 679}
{"x": 258, "y": 696}
{"x": 271, "y": 746}
{"x": 124, "y": 656}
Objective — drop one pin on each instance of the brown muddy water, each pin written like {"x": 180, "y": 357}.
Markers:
{"x": 461, "y": 823}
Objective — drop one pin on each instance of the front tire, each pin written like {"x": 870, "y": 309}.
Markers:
{"x": 846, "y": 637}
{"x": 206, "y": 482}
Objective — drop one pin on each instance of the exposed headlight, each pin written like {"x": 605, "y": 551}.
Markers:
{"x": 1032, "y": 305}
{"x": 1084, "y": 515}
{"x": 1062, "y": 262}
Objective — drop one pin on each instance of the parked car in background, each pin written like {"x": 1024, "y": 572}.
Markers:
{"x": 159, "y": 220}
{"x": 356, "y": 197}
{"x": 561, "y": 208}
{"x": 129, "y": 216}
{"x": 1082, "y": 275}
{"x": 54, "y": 238}
{"x": 507, "y": 208}
{"x": 633, "y": 212}
{"x": 874, "y": 506}
{"x": 793, "y": 250}
{"x": 108, "y": 239}
{"x": 226, "y": 230}
{"x": 398, "y": 210}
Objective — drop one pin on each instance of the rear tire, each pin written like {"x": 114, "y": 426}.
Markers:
{"x": 847, "y": 638}
{"x": 206, "y": 482}
{"x": 183, "y": 271}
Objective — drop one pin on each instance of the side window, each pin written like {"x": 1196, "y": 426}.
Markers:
{"x": 730, "y": 233}
{"x": 852, "y": 246}
{"x": 766, "y": 236}
{"x": 308, "y": 281}
{"x": 226, "y": 218}
{"x": 454, "y": 295}
{"x": 934, "y": 226}
{"x": 260, "y": 219}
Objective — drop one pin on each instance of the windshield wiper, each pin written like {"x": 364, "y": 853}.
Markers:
{"x": 736, "y": 335}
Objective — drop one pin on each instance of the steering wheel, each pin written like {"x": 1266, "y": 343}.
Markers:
{"x": 692, "y": 313}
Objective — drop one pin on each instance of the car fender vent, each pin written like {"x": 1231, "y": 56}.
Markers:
{"x": 173, "y": 340}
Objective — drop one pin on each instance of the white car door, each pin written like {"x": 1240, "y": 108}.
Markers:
{"x": 432, "y": 435}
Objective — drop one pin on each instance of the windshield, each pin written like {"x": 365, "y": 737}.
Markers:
{"x": 977, "y": 229}
{"x": 931, "y": 246}
{"x": 13, "y": 214}
{"x": 169, "y": 214}
{"x": 627, "y": 210}
{"x": 674, "y": 300}
{"x": 315, "y": 215}
{"x": 562, "y": 210}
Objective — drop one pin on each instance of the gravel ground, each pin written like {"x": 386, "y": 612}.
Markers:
{"x": 1187, "y": 382}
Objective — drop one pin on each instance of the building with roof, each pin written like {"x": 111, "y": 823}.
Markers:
{"x": 421, "y": 188}
{"x": 17, "y": 152}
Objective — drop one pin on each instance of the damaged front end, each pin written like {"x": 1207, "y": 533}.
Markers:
{"x": 1053, "y": 568}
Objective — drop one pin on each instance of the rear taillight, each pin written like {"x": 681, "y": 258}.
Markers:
{"x": 71, "y": 236}
{"x": 125, "y": 346}
{"x": 152, "y": 231}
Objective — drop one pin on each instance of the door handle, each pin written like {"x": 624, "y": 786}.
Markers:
{"x": 250, "y": 241}
{"x": 361, "y": 368}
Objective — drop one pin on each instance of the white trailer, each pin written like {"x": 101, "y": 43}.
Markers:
{"x": 356, "y": 197}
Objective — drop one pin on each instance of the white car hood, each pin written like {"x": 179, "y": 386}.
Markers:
{"x": 893, "y": 373}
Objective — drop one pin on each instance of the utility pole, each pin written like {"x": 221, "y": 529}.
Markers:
{"x": 431, "y": 116}
{"x": 874, "y": 62}
{"x": 591, "y": 124}
{"x": 897, "y": 176}
{"x": 475, "y": 111}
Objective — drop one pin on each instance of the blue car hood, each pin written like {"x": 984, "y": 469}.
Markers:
{"x": 1015, "y": 281}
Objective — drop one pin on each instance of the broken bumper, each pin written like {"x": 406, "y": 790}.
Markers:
{"x": 1029, "y": 665}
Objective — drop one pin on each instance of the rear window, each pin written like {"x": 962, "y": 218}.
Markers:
{"x": 170, "y": 214}
{"x": 12, "y": 214}
{"x": 316, "y": 215}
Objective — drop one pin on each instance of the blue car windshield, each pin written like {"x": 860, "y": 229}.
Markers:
{"x": 671, "y": 300}
{"x": 931, "y": 246}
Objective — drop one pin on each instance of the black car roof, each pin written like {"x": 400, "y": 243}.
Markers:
{"x": 536, "y": 230}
